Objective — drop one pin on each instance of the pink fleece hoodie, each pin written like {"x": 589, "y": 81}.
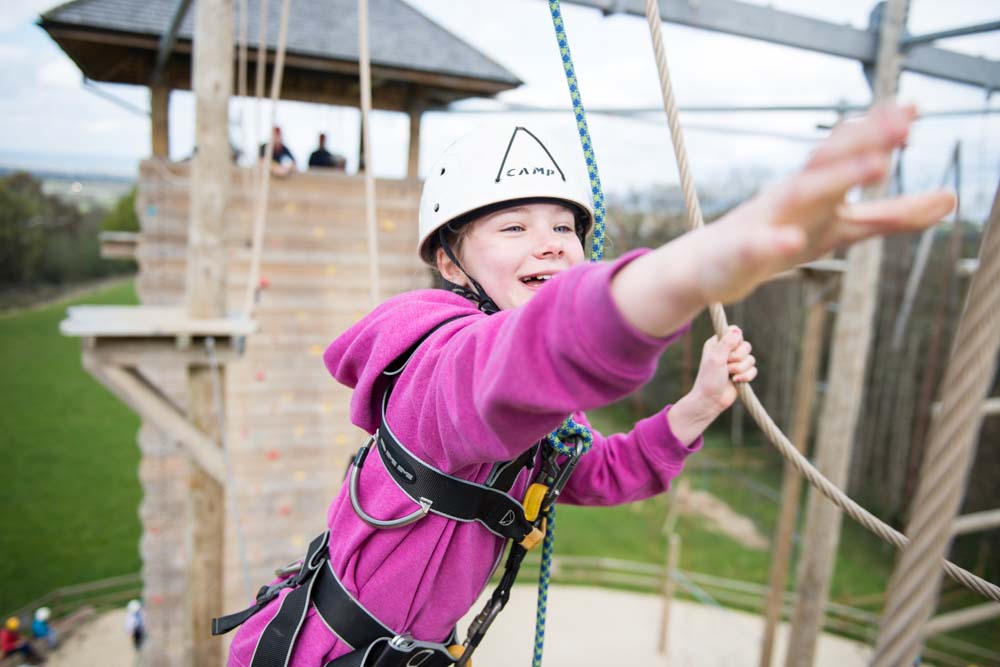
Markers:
{"x": 480, "y": 390}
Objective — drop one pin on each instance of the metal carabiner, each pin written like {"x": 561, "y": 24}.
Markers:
{"x": 425, "y": 504}
{"x": 562, "y": 475}
{"x": 477, "y": 630}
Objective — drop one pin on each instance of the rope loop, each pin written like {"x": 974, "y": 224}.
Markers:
{"x": 571, "y": 432}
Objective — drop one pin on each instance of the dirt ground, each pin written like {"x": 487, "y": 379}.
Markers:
{"x": 722, "y": 517}
{"x": 586, "y": 626}
{"x": 103, "y": 641}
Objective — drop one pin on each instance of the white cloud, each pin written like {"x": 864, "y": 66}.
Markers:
{"x": 59, "y": 74}
{"x": 16, "y": 14}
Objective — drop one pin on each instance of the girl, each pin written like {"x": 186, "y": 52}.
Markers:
{"x": 525, "y": 333}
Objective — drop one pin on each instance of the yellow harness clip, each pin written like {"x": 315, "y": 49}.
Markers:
{"x": 533, "y": 498}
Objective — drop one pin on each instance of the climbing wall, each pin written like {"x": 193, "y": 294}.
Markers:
{"x": 288, "y": 434}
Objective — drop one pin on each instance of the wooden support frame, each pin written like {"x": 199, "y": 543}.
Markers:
{"x": 133, "y": 389}
{"x": 117, "y": 339}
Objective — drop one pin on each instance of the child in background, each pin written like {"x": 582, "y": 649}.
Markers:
{"x": 135, "y": 625}
{"x": 11, "y": 642}
{"x": 41, "y": 629}
{"x": 524, "y": 334}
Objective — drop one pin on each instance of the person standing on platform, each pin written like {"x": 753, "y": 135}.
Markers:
{"x": 323, "y": 158}
{"x": 282, "y": 160}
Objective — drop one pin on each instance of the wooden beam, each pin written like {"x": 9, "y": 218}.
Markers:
{"x": 976, "y": 522}
{"x": 136, "y": 352}
{"x": 791, "y": 486}
{"x": 118, "y": 245}
{"x": 413, "y": 160}
{"x": 961, "y": 618}
{"x": 168, "y": 39}
{"x": 845, "y": 387}
{"x": 149, "y": 403}
{"x": 744, "y": 19}
{"x": 205, "y": 297}
{"x": 148, "y": 322}
{"x": 84, "y": 45}
{"x": 159, "y": 104}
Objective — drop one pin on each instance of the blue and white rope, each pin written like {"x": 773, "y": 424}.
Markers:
{"x": 570, "y": 431}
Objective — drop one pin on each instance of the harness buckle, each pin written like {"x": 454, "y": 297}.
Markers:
{"x": 289, "y": 569}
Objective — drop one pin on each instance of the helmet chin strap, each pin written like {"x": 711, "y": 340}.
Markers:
{"x": 477, "y": 294}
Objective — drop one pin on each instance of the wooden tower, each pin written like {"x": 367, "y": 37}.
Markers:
{"x": 246, "y": 407}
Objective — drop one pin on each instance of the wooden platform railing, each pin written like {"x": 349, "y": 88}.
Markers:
{"x": 111, "y": 592}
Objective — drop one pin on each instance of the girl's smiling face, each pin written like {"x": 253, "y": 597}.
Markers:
{"x": 513, "y": 251}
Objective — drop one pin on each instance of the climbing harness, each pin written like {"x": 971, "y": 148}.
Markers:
{"x": 314, "y": 582}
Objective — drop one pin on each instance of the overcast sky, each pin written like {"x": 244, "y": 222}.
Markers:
{"x": 51, "y": 119}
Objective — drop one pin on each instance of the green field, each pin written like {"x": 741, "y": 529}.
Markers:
{"x": 70, "y": 476}
{"x": 70, "y": 460}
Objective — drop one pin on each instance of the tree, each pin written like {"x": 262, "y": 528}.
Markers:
{"x": 122, "y": 217}
{"x": 21, "y": 234}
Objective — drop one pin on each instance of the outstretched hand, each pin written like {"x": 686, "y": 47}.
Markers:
{"x": 806, "y": 215}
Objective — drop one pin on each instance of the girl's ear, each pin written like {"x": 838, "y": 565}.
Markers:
{"x": 448, "y": 270}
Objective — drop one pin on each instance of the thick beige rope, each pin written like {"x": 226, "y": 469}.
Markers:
{"x": 365, "y": 72}
{"x": 914, "y": 586}
{"x": 753, "y": 404}
{"x": 264, "y": 184}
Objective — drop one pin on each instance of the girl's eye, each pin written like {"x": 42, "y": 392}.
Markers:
{"x": 564, "y": 228}
{"x": 512, "y": 228}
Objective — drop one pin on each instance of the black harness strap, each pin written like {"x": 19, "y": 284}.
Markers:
{"x": 343, "y": 613}
{"x": 453, "y": 497}
{"x": 274, "y": 646}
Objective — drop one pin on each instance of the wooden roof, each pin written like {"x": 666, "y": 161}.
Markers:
{"x": 413, "y": 58}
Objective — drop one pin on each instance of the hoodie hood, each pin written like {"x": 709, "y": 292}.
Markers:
{"x": 357, "y": 357}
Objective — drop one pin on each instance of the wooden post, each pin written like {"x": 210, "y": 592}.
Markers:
{"x": 791, "y": 486}
{"x": 413, "y": 161}
{"x": 206, "y": 298}
{"x": 678, "y": 495}
{"x": 669, "y": 586}
{"x": 845, "y": 387}
{"x": 159, "y": 103}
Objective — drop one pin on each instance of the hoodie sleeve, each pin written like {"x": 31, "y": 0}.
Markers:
{"x": 631, "y": 466}
{"x": 483, "y": 389}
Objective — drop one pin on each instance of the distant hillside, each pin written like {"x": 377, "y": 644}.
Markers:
{"x": 70, "y": 165}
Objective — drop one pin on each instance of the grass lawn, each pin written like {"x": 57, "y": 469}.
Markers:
{"x": 70, "y": 460}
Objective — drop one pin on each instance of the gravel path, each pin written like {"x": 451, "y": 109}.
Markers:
{"x": 586, "y": 626}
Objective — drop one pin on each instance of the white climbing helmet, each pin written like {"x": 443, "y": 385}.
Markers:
{"x": 134, "y": 606}
{"x": 42, "y": 614}
{"x": 494, "y": 165}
